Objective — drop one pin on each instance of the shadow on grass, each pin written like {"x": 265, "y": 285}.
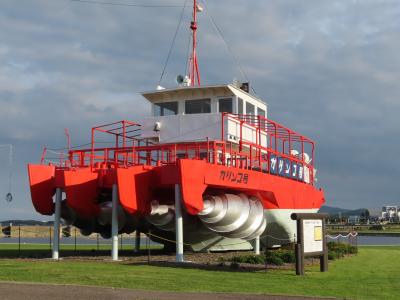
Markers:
{"x": 158, "y": 258}
{"x": 223, "y": 267}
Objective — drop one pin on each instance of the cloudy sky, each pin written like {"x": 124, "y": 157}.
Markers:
{"x": 328, "y": 69}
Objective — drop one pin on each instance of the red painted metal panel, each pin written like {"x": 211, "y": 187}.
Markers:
{"x": 192, "y": 173}
{"x": 167, "y": 175}
{"x": 41, "y": 180}
{"x": 276, "y": 192}
{"x": 81, "y": 189}
{"x": 134, "y": 188}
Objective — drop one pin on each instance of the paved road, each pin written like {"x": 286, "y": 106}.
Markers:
{"x": 21, "y": 291}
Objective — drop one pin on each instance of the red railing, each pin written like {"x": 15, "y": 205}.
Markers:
{"x": 154, "y": 155}
{"x": 242, "y": 154}
{"x": 279, "y": 141}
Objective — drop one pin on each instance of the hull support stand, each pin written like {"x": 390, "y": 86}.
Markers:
{"x": 137, "y": 241}
{"x": 56, "y": 231}
{"x": 178, "y": 224}
{"x": 114, "y": 223}
{"x": 257, "y": 246}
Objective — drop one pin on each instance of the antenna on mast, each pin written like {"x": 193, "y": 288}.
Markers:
{"x": 194, "y": 72}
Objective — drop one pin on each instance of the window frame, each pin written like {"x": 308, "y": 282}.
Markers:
{"x": 160, "y": 106}
{"x": 225, "y": 99}
{"x": 203, "y": 110}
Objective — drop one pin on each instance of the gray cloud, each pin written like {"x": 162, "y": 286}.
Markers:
{"x": 328, "y": 69}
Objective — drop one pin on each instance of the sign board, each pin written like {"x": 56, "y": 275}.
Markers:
{"x": 311, "y": 239}
{"x": 287, "y": 168}
{"x": 312, "y": 236}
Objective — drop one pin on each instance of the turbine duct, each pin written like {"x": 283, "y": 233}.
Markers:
{"x": 234, "y": 216}
{"x": 162, "y": 216}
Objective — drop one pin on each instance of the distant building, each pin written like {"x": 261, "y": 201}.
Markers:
{"x": 390, "y": 213}
{"x": 354, "y": 220}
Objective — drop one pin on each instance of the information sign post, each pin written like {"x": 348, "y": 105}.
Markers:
{"x": 311, "y": 240}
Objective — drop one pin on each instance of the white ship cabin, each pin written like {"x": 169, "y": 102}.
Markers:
{"x": 187, "y": 114}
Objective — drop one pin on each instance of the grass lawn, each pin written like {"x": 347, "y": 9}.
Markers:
{"x": 372, "y": 274}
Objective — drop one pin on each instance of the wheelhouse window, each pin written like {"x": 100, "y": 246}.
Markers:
{"x": 225, "y": 105}
{"x": 261, "y": 112}
{"x": 250, "y": 110}
{"x": 201, "y": 106}
{"x": 240, "y": 106}
{"x": 165, "y": 109}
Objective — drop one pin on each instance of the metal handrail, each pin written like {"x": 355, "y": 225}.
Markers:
{"x": 245, "y": 155}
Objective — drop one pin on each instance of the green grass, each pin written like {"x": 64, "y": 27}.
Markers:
{"x": 372, "y": 274}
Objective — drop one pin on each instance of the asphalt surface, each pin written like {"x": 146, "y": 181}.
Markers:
{"x": 18, "y": 291}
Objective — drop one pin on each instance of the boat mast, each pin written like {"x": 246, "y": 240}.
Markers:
{"x": 194, "y": 72}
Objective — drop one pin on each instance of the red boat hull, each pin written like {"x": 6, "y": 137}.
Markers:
{"x": 138, "y": 185}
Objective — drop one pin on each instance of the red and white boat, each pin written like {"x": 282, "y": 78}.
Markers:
{"x": 208, "y": 156}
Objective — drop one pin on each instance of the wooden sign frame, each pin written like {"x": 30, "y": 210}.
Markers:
{"x": 300, "y": 244}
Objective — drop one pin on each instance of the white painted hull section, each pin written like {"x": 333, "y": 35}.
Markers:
{"x": 281, "y": 229}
